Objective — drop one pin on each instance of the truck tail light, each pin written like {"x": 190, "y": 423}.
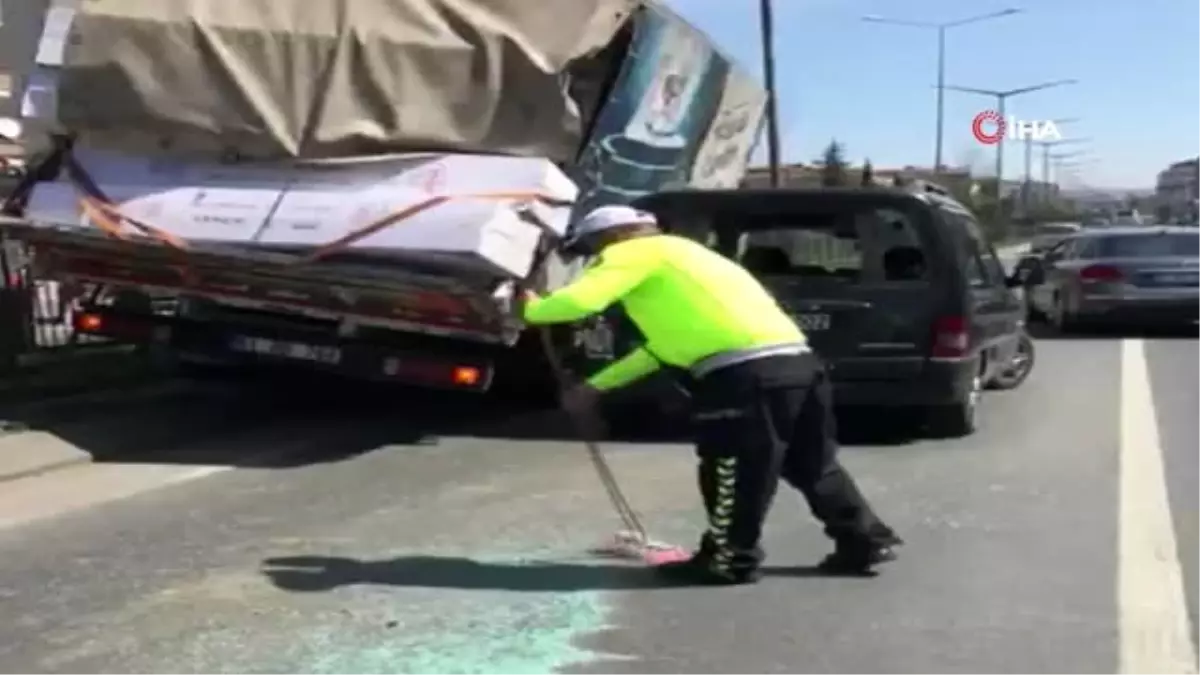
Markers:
{"x": 89, "y": 323}
{"x": 466, "y": 376}
{"x": 437, "y": 373}
{"x": 951, "y": 337}
{"x": 115, "y": 326}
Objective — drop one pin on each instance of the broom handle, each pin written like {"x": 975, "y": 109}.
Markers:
{"x": 585, "y": 428}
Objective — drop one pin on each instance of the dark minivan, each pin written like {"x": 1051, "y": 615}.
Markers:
{"x": 897, "y": 290}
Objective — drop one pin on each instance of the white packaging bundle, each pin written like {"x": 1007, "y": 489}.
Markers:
{"x": 472, "y": 207}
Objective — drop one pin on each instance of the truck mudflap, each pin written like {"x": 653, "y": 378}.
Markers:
{"x": 394, "y": 298}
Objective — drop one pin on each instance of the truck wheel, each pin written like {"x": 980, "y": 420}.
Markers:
{"x": 955, "y": 420}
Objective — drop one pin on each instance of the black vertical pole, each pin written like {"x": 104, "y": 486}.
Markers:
{"x": 939, "y": 133}
{"x": 767, "y": 24}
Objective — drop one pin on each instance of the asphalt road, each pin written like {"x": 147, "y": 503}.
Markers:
{"x": 376, "y": 534}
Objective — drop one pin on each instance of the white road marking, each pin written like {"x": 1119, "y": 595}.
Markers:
{"x": 1155, "y": 634}
{"x": 27, "y": 500}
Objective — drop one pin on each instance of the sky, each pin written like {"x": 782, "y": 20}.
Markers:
{"x": 871, "y": 86}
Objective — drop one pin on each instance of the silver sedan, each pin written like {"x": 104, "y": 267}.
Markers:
{"x": 1116, "y": 275}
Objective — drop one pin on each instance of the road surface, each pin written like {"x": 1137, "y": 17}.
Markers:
{"x": 336, "y": 534}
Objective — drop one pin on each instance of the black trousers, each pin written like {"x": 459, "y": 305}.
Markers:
{"x": 762, "y": 420}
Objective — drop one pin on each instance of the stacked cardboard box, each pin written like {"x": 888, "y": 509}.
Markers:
{"x": 482, "y": 211}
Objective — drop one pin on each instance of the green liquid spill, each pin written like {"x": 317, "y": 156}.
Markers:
{"x": 537, "y": 638}
{"x": 465, "y": 631}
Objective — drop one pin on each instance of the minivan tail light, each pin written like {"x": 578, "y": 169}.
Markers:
{"x": 951, "y": 337}
{"x": 1100, "y": 274}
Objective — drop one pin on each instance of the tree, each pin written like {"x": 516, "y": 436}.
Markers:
{"x": 868, "y": 173}
{"x": 833, "y": 166}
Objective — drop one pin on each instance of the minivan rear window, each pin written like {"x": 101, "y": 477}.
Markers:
{"x": 874, "y": 245}
{"x": 1149, "y": 245}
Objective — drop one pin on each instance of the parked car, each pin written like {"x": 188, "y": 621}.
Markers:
{"x": 1129, "y": 218}
{"x": 1134, "y": 274}
{"x": 898, "y": 290}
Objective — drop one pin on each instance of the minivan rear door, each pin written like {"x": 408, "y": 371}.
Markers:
{"x": 996, "y": 312}
{"x": 858, "y": 282}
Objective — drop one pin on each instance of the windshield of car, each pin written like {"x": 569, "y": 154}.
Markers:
{"x": 871, "y": 245}
{"x": 1149, "y": 245}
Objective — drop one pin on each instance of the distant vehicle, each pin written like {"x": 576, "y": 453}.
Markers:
{"x": 898, "y": 290}
{"x": 1128, "y": 217}
{"x": 1049, "y": 234}
{"x": 1117, "y": 275}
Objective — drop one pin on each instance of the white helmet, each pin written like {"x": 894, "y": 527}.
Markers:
{"x": 608, "y": 217}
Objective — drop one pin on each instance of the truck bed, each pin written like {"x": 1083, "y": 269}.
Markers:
{"x": 407, "y": 297}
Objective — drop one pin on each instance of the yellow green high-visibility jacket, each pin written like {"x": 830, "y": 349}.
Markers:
{"x": 689, "y": 302}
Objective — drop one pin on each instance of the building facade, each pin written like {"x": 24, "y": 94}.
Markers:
{"x": 1178, "y": 186}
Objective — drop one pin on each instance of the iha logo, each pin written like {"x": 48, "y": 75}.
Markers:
{"x": 989, "y": 128}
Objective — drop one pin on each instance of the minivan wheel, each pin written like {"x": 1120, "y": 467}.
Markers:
{"x": 955, "y": 420}
{"x": 1017, "y": 371}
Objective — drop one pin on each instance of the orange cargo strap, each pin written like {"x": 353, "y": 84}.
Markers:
{"x": 108, "y": 217}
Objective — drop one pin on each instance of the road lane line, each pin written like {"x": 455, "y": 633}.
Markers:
{"x": 1155, "y": 635}
{"x": 35, "y": 498}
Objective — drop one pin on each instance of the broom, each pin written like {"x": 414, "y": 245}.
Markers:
{"x": 632, "y": 542}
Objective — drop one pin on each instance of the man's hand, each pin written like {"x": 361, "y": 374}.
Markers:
{"x": 581, "y": 400}
{"x": 524, "y": 298}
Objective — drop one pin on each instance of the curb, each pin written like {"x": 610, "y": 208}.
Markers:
{"x": 76, "y": 379}
{"x": 26, "y": 451}
{"x": 29, "y": 453}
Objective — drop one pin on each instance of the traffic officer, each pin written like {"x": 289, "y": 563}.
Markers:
{"x": 762, "y": 399}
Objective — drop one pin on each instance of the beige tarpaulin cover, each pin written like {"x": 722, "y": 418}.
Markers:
{"x": 330, "y": 78}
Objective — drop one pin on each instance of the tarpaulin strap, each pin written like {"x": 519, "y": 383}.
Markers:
{"x": 108, "y": 217}
{"x": 101, "y": 211}
{"x": 396, "y": 217}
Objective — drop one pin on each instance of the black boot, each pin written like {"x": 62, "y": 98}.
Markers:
{"x": 702, "y": 570}
{"x": 859, "y": 558}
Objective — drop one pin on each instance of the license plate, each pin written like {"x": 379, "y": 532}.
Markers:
{"x": 812, "y": 321}
{"x": 287, "y": 350}
{"x": 1177, "y": 279}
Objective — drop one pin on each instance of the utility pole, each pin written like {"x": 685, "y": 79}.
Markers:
{"x": 941, "y": 29}
{"x": 1001, "y": 96}
{"x": 1026, "y": 192}
{"x": 1047, "y": 147}
{"x": 766, "y": 16}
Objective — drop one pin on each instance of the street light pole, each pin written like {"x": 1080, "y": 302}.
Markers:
{"x": 941, "y": 28}
{"x": 766, "y": 15}
{"x": 1028, "y": 187}
{"x": 1047, "y": 146}
{"x": 939, "y": 134}
{"x": 1058, "y": 161}
{"x": 1002, "y": 97}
